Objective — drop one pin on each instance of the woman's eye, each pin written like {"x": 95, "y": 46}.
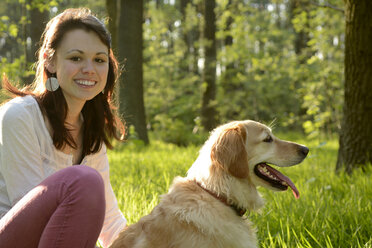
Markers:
{"x": 100, "y": 60}
{"x": 75, "y": 58}
{"x": 268, "y": 139}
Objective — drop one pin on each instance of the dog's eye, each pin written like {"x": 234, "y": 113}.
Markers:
{"x": 268, "y": 139}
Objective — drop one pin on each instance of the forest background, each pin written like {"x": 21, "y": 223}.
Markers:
{"x": 302, "y": 66}
{"x": 190, "y": 65}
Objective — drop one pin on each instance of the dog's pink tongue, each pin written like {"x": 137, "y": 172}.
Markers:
{"x": 286, "y": 179}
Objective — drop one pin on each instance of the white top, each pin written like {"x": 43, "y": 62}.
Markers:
{"x": 28, "y": 156}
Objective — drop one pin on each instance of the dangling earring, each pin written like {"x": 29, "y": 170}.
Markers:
{"x": 52, "y": 84}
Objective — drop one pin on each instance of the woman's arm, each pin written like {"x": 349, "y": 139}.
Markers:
{"x": 20, "y": 162}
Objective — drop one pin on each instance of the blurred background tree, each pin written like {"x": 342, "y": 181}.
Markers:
{"x": 356, "y": 130}
{"x": 130, "y": 54}
{"x": 205, "y": 62}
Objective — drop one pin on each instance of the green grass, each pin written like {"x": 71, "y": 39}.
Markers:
{"x": 333, "y": 210}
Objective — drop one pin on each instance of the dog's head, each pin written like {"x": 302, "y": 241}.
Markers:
{"x": 243, "y": 150}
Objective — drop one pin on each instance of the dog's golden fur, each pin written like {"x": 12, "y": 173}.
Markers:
{"x": 190, "y": 216}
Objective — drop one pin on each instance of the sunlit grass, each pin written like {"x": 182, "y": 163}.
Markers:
{"x": 140, "y": 174}
{"x": 333, "y": 210}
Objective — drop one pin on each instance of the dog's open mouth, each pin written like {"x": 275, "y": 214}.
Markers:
{"x": 275, "y": 178}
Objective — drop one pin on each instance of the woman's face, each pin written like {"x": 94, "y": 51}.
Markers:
{"x": 81, "y": 63}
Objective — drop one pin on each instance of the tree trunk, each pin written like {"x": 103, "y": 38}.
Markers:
{"x": 230, "y": 71}
{"x": 301, "y": 37}
{"x": 130, "y": 47}
{"x": 184, "y": 65}
{"x": 356, "y": 129}
{"x": 159, "y": 3}
{"x": 36, "y": 27}
{"x": 112, "y": 7}
{"x": 208, "y": 111}
{"x": 190, "y": 61}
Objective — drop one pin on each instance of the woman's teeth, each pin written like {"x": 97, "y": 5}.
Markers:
{"x": 84, "y": 82}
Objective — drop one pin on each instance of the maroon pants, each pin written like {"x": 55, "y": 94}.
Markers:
{"x": 67, "y": 209}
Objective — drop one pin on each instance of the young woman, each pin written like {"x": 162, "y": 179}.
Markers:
{"x": 65, "y": 119}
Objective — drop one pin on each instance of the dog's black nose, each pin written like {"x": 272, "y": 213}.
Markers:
{"x": 304, "y": 150}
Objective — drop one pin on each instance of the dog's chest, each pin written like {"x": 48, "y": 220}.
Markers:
{"x": 234, "y": 234}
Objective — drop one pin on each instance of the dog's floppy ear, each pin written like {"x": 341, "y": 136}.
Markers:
{"x": 228, "y": 151}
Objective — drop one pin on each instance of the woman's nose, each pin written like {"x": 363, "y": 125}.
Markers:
{"x": 88, "y": 67}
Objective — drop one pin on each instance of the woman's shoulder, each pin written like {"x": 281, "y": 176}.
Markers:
{"x": 18, "y": 107}
{"x": 19, "y": 102}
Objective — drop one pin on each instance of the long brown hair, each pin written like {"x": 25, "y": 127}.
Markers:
{"x": 101, "y": 123}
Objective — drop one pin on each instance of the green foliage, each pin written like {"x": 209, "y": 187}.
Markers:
{"x": 176, "y": 131}
{"x": 172, "y": 95}
{"x": 6, "y": 27}
{"x": 259, "y": 74}
{"x": 132, "y": 166}
{"x": 333, "y": 210}
{"x": 42, "y": 5}
{"x": 257, "y": 81}
{"x": 322, "y": 75}
{"x": 15, "y": 70}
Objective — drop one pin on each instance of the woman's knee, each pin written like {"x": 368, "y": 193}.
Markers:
{"x": 88, "y": 177}
{"x": 85, "y": 187}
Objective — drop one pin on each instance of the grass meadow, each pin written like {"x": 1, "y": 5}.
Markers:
{"x": 333, "y": 210}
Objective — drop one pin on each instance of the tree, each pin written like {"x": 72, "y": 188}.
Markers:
{"x": 228, "y": 41}
{"x": 112, "y": 7}
{"x": 130, "y": 45}
{"x": 208, "y": 111}
{"x": 185, "y": 33}
{"x": 39, "y": 16}
{"x": 300, "y": 7}
{"x": 356, "y": 130}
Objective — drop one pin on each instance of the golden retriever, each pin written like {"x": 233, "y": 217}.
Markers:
{"x": 205, "y": 208}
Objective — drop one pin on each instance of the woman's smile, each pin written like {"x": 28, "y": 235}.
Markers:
{"x": 85, "y": 83}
